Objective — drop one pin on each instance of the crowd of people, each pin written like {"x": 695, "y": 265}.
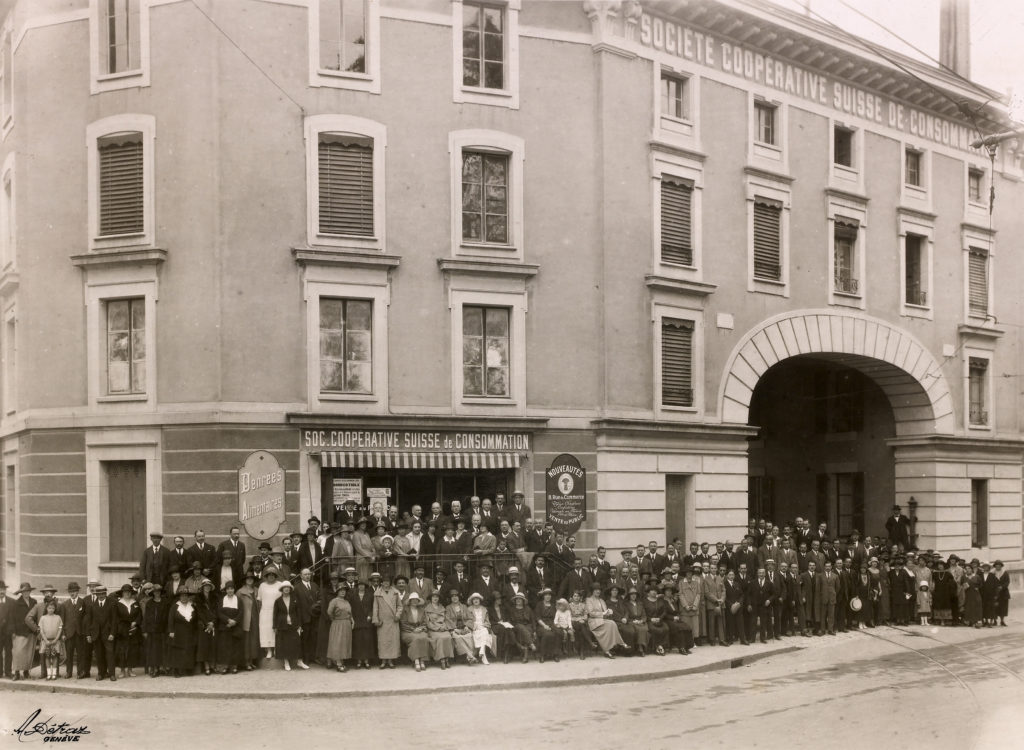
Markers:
{"x": 487, "y": 582}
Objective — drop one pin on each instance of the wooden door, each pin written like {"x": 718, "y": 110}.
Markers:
{"x": 126, "y": 506}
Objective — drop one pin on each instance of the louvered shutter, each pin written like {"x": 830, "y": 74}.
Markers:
{"x": 346, "y": 185}
{"x": 977, "y": 281}
{"x": 676, "y": 211}
{"x": 121, "y": 209}
{"x": 767, "y": 239}
{"x": 676, "y": 362}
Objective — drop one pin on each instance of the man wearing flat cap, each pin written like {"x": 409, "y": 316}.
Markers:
{"x": 72, "y": 612}
{"x": 156, "y": 560}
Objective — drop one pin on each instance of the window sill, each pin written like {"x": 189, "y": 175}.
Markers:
{"x": 127, "y": 255}
{"x": 345, "y": 257}
{"x": 487, "y": 266}
{"x": 483, "y": 247}
{"x": 120, "y": 76}
{"x": 980, "y": 427}
{"x": 484, "y": 401}
{"x": 360, "y": 397}
{"x": 678, "y": 409}
{"x": 320, "y": 77}
{"x": 119, "y": 398}
{"x": 344, "y": 74}
{"x": 769, "y": 286}
{"x": 358, "y": 241}
{"x": 492, "y": 97}
{"x": 916, "y": 311}
{"x": 117, "y": 241}
{"x": 980, "y": 330}
{"x": 847, "y": 295}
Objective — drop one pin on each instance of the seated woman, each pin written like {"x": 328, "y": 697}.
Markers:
{"x": 638, "y": 619}
{"x": 442, "y": 648}
{"x": 522, "y": 621}
{"x": 582, "y": 637}
{"x": 600, "y": 622}
{"x": 680, "y": 637}
{"x": 414, "y": 631}
{"x": 544, "y": 615}
{"x": 339, "y": 639}
{"x": 657, "y": 627}
{"x": 504, "y": 632}
{"x": 620, "y": 617}
{"x": 456, "y": 619}
{"x": 480, "y": 625}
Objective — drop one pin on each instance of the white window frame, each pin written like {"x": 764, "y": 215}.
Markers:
{"x": 7, "y": 76}
{"x": 768, "y": 155}
{"x": 347, "y": 283}
{"x": 125, "y": 444}
{"x": 100, "y": 81}
{"x": 133, "y": 123}
{"x": 497, "y": 142}
{"x": 923, "y": 228}
{"x": 762, "y": 186}
{"x": 517, "y": 304}
{"x": 8, "y": 217}
{"x": 916, "y": 196}
{"x": 9, "y": 352}
{"x": 673, "y": 129}
{"x": 671, "y": 165}
{"x": 314, "y": 126}
{"x": 12, "y": 548}
{"x": 976, "y": 210}
{"x": 839, "y": 208}
{"x": 841, "y": 176}
{"x": 987, "y": 355}
{"x": 507, "y": 96}
{"x": 368, "y": 81}
{"x": 114, "y": 283}
{"x": 660, "y": 310}
{"x": 982, "y": 241}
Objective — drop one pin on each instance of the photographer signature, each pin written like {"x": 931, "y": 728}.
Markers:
{"x": 31, "y": 729}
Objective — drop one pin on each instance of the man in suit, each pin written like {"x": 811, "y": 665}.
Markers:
{"x": 538, "y": 578}
{"x": 347, "y": 513}
{"x": 760, "y": 602}
{"x": 514, "y": 586}
{"x": 310, "y": 553}
{"x": 898, "y": 526}
{"x": 203, "y": 553}
{"x": 595, "y": 572}
{"x": 807, "y": 609}
{"x": 714, "y": 601}
{"x": 778, "y": 585}
{"x": 734, "y": 594}
{"x": 420, "y": 584}
{"x": 289, "y": 545}
{"x": 726, "y": 555}
{"x": 816, "y": 556}
{"x": 826, "y": 595}
{"x": 820, "y": 534}
{"x": 307, "y": 592}
{"x": 769, "y": 550}
{"x": 179, "y": 556}
{"x": 489, "y": 517}
{"x": 830, "y": 553}
{"x": 787, "y": 555}
{"x": 559, "y": 556}
{"x": 457, "y": 581}
{"x": 156, "y": 560}
{"x": 6, "y": 630}
{"x": 96, "y": 621}
{"x": 803, "y": 557}
{"x": 457, "y": 514}
{"x": 745, "y": 582}
{"x": 436, "y": 517}
{"x": 237, "y": 547}
{"x": 519, "y": 510}
{"x": 658, "y": 561}
{"x": 577, "y": 579}
{"x": 486, "y": 584}
{"x": 72, "y": 612}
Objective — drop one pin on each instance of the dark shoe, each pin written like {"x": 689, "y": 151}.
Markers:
{"x": 113, "y": 678}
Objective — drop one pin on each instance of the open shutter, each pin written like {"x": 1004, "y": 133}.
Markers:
{"x": 676, "y": 212}
{"x": 676, "y": 362}
{"x": 346, "y": 185}
{"x": 121, "y": 209}
{"x": 767, "y": 239}
{"x": 977, "y": 281}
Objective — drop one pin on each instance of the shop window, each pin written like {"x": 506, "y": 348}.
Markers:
{"x": 676, "y": 220}
{"x": 842, "y": 139}
{"x": 126, "y": 509}
{"x": 977, "y": 282}
{"x": 767, "y": 239}
{"x": 844, "y": 257}
{"x": 675, "y": 96}
{"x": 979, "y": 513}
{"x": 485, "y": 351}
{"x": 915, "y": 279}
{"x": 977, "y": 377}
{"x": 126, "y": 346}
{"x": 346, "y": 345}
{"x": 677, "y": 362}
{"x": 766, "y": 123}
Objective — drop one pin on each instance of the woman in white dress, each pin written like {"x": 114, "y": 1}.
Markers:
{"x": 269, "y": 592}
{"x": 480, "y": 624}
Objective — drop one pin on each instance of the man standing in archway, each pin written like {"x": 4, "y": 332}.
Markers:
{"x": 898, "y": 526}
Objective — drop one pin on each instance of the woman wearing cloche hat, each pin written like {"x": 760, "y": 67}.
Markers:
{"x": 24, "y": 640}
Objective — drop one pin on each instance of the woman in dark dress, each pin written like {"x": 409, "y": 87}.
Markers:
{"x": 206, "y": 640}
{"x": 869, "y": 592}
{"x": 364, "y": 634}
{"x": 544, "y": 616}
{"x": 287, "y": 627}
{"x": 638, "y": 619}
{"x": 126, "y": 617}
{"x": 972, "y": 609}
{"x": 1003, "y": 597}
{"x": 154, "y": 631}
{"x": 657, "y": 627}
{"x": 943, "y": 594}
{"x": 229, "y": 631}
{"x": 521, "y": 617}
{"x": 182, "y": 629}
{"x": 621, "y": 617}
{"x": 680, "y": 637}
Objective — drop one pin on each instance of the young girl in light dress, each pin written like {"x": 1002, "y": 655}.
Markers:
{"x": 51, "y": 649}
{"x": 924, "y": 602}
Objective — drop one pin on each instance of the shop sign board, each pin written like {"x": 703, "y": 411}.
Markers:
{"x": 414, "y": 440}
{"x": 261, "y": 495}
{"x": 347, "y": 488}
{"x": 566, "y": 482}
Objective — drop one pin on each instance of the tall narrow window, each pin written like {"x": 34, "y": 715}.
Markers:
{"x": 345, "y": 164}
{"x": 915, "y": 290}
{"x": 10, "y": 368}
{"x": 979, "y": 513}
{"x": 767, "y": 239}
{"x": 766, "y": 126}
{"x": 485, "y": 197}
{"x": 977, "y": 282}
{"x": 122, "y": 187}
{"x": 676, "y": 220}
{"x": 346, "y": 345}
{"x": 975, "y": 177}
{"x": 674, "y": 96}
{"x": 485, "y": 351}
{"x": 119, "y": 36}
{"x": 483, "y": 46}
{"x": 913, "y": 174}
{"x": 845, "y": 248}
{"x": 676, "y": 362}
{"x": 343, "y": 35}
{"x": 126, "y": 346}
{"x": 977, "y": 384}
{"x": 843, "y": 146}
{"x": 126, "y": 509}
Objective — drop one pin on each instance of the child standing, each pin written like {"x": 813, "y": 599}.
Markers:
{"x": 563, "y": 625}
{"x": 578, "y": 611}
{"x": 51, "y": 630}
{"x": 924, "y": 602}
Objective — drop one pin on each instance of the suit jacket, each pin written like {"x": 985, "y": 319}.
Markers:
{"x": 307, "y": 558}
{"x": 124, "y": 620}
{"x": 155, "y": 565}
{"x": 734, "y": 593}
{"x": 182, "y": 561}
{"x": 599, "y": 574}
{"x": 787, "y": 556}
{"x": 750, "y": 559}
{"x": 454, "y": 584}
{"x": 283, "y": 613}
{"x": 424, "y": 590}
{"x": 510, "y": 590}
{"x": 762, "y": 592}
{"x": 7, "y": 617}
{"x": 490, "y": 521}
{"x": 826, "y": 590}
{"x": 808, "y": 593}
{"x": 899, "y": 529}
{"x": 818, "y": 558}
{"x": 237, "y": 551}
{"x": 534, "y": 541}
{"x": 207, "y": 557}
{"x": 308, "y": 599}
{"x": 486, "y": 590}
{"x": 766, "y": 553}
{"x": 517, "y": 513}
{"x": 537, "y": 581}
{"x": 575, "y": 581}
{"x": 96, "y": 619}
{"x": 73, "y": 615}
{"x": 778, "y": 587}
{"x": 714, "y": 592}
{"x": 237, "y": 575}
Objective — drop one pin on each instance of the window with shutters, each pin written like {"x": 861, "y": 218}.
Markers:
{"x": 977, "y": 282}
{"x": 844, "y": 275}
{"x": 977, "y": 387}
{"x": 767, "y": 239}
{"x": 346, "y": 335}
{"x": 119, "y": 31}
{"x": 344, "y": 42}
{"x": 126, "y": 509}
{"x": 486, "y": 52}
{"x": 126, "y": 346}
{"x": 345, "y": 172}
{"x": 121, "y": 181}
{"x": 676, "y": 220}
{"x": 345, "y": 181}
{"x": 915, "y": 282}
{"x": 677, "y": 362}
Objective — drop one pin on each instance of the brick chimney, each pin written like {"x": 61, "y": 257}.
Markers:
{"x": 955, "y": 36}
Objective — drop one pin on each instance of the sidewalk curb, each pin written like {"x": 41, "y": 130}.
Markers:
{"x": 488, "y": 686}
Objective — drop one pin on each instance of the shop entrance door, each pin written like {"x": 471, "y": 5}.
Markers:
{"x": 416, "y": 489}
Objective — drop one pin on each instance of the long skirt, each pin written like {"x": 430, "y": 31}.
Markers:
{"x": 251, "y": 643}
{"x": 23, "y": 653}
{"x": 643, "y": 635}
{"x": 679, "y": 636}
{"x": 288, "y": 645}
{"x": 628, "y": 634}
{"x": 694, "y": 621}
{"x": 230, "y": 646}
{"x": 323, "y": 635}
{"x": 504, "y": 638}
{"x": 463, "y": 643}
{"x": 206, "y": 647}
{"x": 389, "y": 642}
{"x": 364, "y": 644}
{"x": 972, "y": 611}
{"x": 867, "y": 612}
{"x": 339, "y": 642}
{"x": 606, "y": 633}
{"x": 266, "y": 626}
{"x": 524, "y": 636}
{"x": 441, "y": 646}
{"x": 482, "y": 638}
{"x": 155, "y": 650}
{"x": 1003, "y": 603}
{"x": 417, "y": 645}
{"x": 550, "y": 642}
{"x": 658, "y": 633}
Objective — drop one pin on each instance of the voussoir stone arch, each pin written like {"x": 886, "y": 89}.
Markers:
{"x": 906, "y": 371}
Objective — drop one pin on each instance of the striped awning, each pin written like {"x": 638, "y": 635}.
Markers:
{"x": 406, "y": 460}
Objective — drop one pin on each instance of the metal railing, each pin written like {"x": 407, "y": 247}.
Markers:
{"x": 846, "y": 285}
{"x": 500, "y": 562}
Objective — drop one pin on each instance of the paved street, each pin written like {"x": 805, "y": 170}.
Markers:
{"x": 904, "y": 688}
